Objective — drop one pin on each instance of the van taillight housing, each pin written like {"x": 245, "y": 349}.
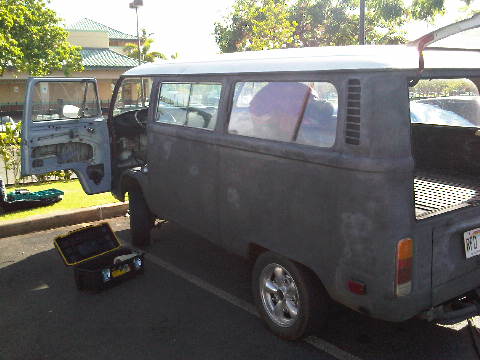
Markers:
{"x": 403, "y": 277}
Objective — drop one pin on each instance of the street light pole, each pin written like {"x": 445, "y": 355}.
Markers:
{"x": 138, "y": 40}
{"x": 135, "y": 5}
{"x": 361, "y": 26}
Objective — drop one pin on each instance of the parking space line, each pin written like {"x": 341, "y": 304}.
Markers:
{"x": 329, "y": 348}
{"x": 316, "y": 342}
{"x": 242, "y": 304}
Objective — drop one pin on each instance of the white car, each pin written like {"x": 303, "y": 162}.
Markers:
{"x": 3, "y": 122}
{"x": 434, "y": 115}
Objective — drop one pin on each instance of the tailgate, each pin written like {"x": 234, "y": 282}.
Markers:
{"x": 452, "y": 273}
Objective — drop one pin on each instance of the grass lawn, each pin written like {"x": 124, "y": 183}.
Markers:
{"x": 74, "y": 198}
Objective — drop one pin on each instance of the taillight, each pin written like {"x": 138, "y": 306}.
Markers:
{"x": 403, "y": 283}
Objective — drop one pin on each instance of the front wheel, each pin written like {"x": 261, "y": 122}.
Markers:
{"x": 141, "y": 219}
{"x": 288, "y": 297}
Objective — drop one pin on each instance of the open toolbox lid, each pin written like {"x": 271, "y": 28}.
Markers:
{"x": 86, "y": 243}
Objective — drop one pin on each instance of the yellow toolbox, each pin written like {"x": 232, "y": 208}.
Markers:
{"x": 97, "y": 258}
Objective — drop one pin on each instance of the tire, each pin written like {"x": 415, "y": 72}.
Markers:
{"x": 141, "y": 219}
{"x": 290, "y": 300}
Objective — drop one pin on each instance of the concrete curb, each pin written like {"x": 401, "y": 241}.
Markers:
{"x": 50, "y": 221}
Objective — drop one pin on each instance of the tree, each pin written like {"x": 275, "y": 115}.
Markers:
{"x": 131, "y": 49}
{"x": 301, "y": 23}
{"x": 256, "y": 25}
{"x": 32, "y": 41}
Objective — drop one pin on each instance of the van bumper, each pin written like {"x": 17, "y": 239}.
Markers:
{"x": 455, "y": 310}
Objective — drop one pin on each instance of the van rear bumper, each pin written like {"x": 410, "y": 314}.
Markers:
{"x": 455, "y": 310}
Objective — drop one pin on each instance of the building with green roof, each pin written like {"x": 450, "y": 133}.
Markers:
{"x": 89, "y": 25}
{"x": 87, "y": 33}
{"x": 102, "y": 58}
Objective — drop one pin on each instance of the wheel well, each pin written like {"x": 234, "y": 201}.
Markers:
{"x": 255, "y": 250}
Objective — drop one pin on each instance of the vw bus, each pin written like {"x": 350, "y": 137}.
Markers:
{"x": 347, "y": 174}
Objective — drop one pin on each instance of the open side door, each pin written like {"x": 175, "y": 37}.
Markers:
{"x": 63, "y": 129}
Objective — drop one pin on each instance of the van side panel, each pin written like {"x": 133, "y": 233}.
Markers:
{"x": 339, "y": 223}
{"x": 182, "y": 167}
{"x": 340, "y": 212}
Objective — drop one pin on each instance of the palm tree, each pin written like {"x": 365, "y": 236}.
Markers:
{"x": 131, "y": 50}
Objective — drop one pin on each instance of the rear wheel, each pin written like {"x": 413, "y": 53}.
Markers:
{"x": 288, "y": 297}
{"x": 141, "y": 219}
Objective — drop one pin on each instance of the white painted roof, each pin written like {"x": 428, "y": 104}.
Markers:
{"x": 367, "y": 57}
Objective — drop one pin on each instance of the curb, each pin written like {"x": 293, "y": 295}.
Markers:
{"x": 50, "y": 221}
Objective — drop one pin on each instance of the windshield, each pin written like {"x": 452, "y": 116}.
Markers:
{"x": 133, "y": 94}
{"x": 64, "y": 100}
{"x": 449, "y": 102}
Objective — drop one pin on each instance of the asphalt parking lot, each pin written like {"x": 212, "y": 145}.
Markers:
{"x": 193, "y": 302}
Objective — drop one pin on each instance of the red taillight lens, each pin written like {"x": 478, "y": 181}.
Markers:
{"x": 357, "y": 287}
{"x": 403, "y": 283}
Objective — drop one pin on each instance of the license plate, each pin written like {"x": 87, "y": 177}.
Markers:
{"x": 472, "y": 242}
{"x": 119, "y": 272}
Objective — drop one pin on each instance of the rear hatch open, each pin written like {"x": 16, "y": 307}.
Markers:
{"x": 445, "y": 123}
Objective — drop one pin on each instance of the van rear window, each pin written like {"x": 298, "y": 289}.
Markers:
{"x": 302, "y": 112}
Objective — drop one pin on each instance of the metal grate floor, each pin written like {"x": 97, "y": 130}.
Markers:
{"x": 437, "y": 194}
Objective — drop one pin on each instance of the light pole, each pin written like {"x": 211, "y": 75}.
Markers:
{"x": 361, "y": 25}
{"x": 135, "y": 5}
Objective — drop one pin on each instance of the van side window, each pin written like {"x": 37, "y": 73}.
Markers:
{"x": 189, "y": 104}
{"x": 302, "y": 112}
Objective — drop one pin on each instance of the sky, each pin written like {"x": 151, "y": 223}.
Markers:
{"x": 183, "y": 26}
{"x": 186, "y": 26}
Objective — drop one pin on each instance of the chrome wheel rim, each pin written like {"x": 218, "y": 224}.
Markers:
{"x": 279, "y": 295}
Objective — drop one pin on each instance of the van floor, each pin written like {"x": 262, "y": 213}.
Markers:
{"x": 436, "y": 194}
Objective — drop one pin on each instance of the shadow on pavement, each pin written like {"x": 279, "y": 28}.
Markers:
{"x": 353, "y": 332}
{"x": 153, "y": 316}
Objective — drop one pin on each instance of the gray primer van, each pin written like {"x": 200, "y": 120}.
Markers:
{"x": 338, "y": 170}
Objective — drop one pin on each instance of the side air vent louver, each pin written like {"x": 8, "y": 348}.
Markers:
{"x": 352, "y": 128}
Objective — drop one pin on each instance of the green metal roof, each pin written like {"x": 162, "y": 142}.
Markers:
{"x": 105, "y": 58}
{"x": 89, "y": 25}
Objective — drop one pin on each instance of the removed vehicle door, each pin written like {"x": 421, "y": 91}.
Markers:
{"x": 63, "y": 129}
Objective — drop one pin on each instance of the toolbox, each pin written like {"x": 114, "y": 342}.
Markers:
{"x": 97, "y": 258}
{"x": 26, "y": 195}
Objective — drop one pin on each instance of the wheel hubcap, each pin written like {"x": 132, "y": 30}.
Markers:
{"x": 279, "y": 295}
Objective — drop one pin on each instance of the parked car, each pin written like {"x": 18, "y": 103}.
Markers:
{"x": 4, "y": 120}
{"x": 307, "y": 162}
{"x": 422, "y": 113}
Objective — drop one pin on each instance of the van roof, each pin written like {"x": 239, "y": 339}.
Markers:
{"x": 357, "y": 57}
